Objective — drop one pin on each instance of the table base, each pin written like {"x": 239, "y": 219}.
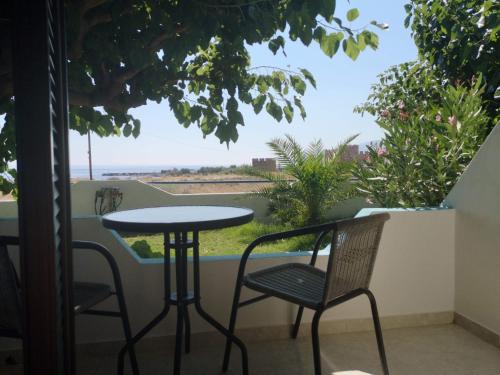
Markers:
{"x": 180, "y": 244}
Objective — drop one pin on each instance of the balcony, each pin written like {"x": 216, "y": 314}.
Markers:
{"x": 433, "y": 350}
{"x": 436, "y": 280}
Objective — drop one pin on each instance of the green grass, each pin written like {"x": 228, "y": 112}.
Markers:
{"x": 224, "y": 241}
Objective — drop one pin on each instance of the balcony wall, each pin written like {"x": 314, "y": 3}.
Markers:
{"x": 476, "y": 197}
{"x": 137, "y": 194}
{"x": 413, "y": 280}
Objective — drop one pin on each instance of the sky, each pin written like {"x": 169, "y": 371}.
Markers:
{"x": 341, "y": 85}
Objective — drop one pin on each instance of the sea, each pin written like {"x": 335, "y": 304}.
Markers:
{"x": 99, "y": 171}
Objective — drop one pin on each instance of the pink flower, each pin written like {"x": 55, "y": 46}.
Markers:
{"x": 439, "y": 118}
{"x": 384, "y": 113}
{"x": 452, "y": 120}
{"x": 401, "y": 105}
{"x": 381, "y": 151}
{"x": 403, "y": 115}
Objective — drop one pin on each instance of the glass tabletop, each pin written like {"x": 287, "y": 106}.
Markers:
{"x": 177, "y": 218}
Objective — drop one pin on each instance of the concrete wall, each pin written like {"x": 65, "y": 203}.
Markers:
{"x": 137, "y": 194}
{"x": 476, "y": 198}
{"x": 414, "y": 274}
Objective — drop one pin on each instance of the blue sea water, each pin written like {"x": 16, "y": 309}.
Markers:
{"x": 98, "y": 171}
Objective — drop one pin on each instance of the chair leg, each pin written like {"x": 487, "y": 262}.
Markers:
{"x": 296, "y": 326}
{"x": 128, "y": 337}
{"x": 378, "y": 332}
{"x": 232, "y": 324}
{"x": 187, "y": 332}
{"x": 315, "y": 342}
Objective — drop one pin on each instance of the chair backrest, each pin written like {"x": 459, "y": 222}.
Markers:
{"x": 352, "y": 256}
{"x": 10, "y": 301}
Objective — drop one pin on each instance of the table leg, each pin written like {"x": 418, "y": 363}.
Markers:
{"x": 208, "y": 317}
{"x": 162, "y": 314}
{"x": 187, "y": 323}
{"x": 180, "y": 278}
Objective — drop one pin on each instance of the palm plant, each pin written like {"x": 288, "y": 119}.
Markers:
{"x": 310, "y": 183}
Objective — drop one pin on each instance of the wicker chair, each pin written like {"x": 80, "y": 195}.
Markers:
{"x": 85, "y": 296}
{"x": 350, "y": 264}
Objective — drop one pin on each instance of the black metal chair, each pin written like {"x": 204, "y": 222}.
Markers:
{"x": 85, "y": 297}
{"x": 352, "y": 256}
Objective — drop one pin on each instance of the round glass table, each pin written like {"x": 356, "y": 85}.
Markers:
{"x": 180, "y": 226}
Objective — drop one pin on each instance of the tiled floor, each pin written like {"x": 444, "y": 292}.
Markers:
{"x": 438, "y": 350}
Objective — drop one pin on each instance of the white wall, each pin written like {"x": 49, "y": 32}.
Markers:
{"x": 414, "y": 274}
{"x": 137, "y": 194}
{"x": 476, "y": 198}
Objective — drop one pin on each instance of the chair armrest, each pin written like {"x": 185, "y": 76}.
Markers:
{"x": 322, "y": 229}
{"x": 94, "y": 246}
{"x": 10, "y": 240}
{"x": 317, "y": 244}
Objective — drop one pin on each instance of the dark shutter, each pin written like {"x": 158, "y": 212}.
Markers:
{"x": 41, "y": 115}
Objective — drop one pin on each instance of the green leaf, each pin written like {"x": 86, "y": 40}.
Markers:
{"x": 288, "y": 111}
{"x": 274, "y": 110}
{"x": 350, "y": 48}
{"x": 232, "y": 104}
{"x": 137, "y": 128}
{"x": 361, "y": 42}
{"x": 262, "y": 85}
{"x": 330, "y": 43}
{"x": 298, "y": 84}
{"x": 307, "y": 75}
{"x": 277, "y": 43}
{"x": 352, "y": 14}
{"x": 258, "y": 103}
{"x": 298, "y": 104}
{"x": 239, "y": 118}
{"x": 370, "y": 39}
{"x": 127, "y": 130}
{"x": 195, "y": 113}
{"x": 407, "y": 21}
{"x": 202, "y": 70}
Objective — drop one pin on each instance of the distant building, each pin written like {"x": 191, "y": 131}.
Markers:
{"x": 351, "y": 153}
{"x": 264, "y": 164}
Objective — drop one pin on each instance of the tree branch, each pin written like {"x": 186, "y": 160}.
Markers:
{"x": 86, "y": 5}
{"x": 6, "y": 87}
{"x": 86, "y": 23}
{"x": 240, "y": 5}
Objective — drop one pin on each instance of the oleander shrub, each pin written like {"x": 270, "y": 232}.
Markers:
{"x": 426, "y": 147}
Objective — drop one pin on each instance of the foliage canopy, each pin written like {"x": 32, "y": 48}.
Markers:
{"x": 193, "y": 54}
{"x": 461, "y": 39}
{"x": 437, "y": 111}
{"x": 415, "y": 83}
